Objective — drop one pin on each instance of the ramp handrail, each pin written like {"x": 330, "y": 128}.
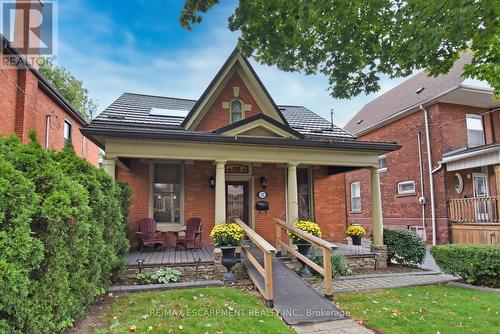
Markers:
{"x": 325, "y": 246}
{"x": 267, "y": 270}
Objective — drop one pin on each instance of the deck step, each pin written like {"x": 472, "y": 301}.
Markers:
{"x": 295, "y": 301}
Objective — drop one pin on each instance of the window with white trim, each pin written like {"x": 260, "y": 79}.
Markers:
{"x": 67, "y": 131}
{"x": 236, "y": 111}
{"x": 356, "y": 197}
{"x": 167, "y": 193}
{"x": 406, "y": 188}
{"x": 475, "y": 130}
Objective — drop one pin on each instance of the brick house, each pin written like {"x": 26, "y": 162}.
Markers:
{"x": 28, "y": 101}
{"x": 460, "y": 205}
{"x": 220, "y": 155}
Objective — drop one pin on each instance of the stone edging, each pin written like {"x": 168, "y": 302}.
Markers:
{"x": 170, "y": 286}
{"x": 474, "y": 287}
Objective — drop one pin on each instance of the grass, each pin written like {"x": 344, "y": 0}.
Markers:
{"x": 205, "y": 310}
{"x": 425, "y": 309}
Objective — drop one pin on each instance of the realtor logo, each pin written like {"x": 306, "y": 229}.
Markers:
{"x": 30, "y": 25}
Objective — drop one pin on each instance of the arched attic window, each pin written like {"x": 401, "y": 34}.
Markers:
{"x": 236, "y": 111}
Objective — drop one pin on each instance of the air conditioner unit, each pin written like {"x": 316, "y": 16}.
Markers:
{"x": 418, "y": 230}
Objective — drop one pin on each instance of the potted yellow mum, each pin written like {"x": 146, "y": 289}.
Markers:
{"x": 227, "y": 237}
{"x": 356, "y": 232}
{"x": 304, "y": 246}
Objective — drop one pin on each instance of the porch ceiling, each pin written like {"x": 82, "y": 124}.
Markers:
{"x": 244, "y": 153}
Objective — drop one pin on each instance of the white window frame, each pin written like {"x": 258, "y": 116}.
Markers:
{"x": 480, "y": 118}
{"x": 406, "y": 192}
{"x": 382, "y": 169}
{"x": 70, "y": 139}
{"x": 353, "y": 209}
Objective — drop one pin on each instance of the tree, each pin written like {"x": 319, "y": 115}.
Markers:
{"x": 352, "y": 42}
{"x": 70, "y": 88}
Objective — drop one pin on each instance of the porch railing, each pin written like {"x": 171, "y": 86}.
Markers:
{"x": 325, "y": 246}
{"x": 474, "y": 210}
{"x": 265, "y": 270}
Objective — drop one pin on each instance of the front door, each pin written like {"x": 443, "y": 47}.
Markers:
{"x": 480, "y": 190}
{"x": 237, "y": 200}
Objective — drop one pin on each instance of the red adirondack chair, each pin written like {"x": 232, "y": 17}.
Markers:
{"x": 148, "y": 235}
{"x": 192, "y": 234}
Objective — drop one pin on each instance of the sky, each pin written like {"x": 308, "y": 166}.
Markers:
{"x": 139, "y": 46}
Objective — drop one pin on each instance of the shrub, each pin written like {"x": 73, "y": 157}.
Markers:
{"x": 404, "y": 247}
{"x": 162, "y": 275}
{"x": 339, "y": 262}
{"x": 229, "y": 234}
{"x": 476, "y": 264}
{"x": 62, "y": 228}
{"x": 306, "y": 226}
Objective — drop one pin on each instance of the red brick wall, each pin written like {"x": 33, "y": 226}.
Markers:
{"x": 8, "y": 101}
{"x": 138, "y": 180}
{"x": 329, "y": 204}
{"x": 217, "y": 117}
{"x": 447, "y": 132}
{"x": 20, "y": 112}
{"x": 264, "y": 224}
{"x": 199, "y": 197}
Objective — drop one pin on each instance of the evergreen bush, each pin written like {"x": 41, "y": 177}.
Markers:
{"x": 404, "y": 247}
{"x": 62, "y": 235}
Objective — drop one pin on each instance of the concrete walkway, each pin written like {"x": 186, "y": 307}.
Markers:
{"x": 385, "y": 281}
{"x": 333, "y": 327}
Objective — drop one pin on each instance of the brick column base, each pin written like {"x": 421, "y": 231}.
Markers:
{"x": 380, "y": 257}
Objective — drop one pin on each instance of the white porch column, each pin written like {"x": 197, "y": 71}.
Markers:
{"x": 377, "y": 220}
{"x": 220, "y": 192}
{"x": 110, "y": 166}
{"x": 292, "y": 193}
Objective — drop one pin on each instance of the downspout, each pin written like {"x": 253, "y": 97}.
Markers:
{"x": 431, "y": 181}
{"x": 421, "y": 167}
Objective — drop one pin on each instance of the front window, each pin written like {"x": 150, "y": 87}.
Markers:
{"x": 67, "y": 131}
{"x": 167, "y": 193}
{"x": 236, "y": 111}
{"x": 304, "y": 193}
{"x": 355, "y": 197}
{"x": 475, "y": 131}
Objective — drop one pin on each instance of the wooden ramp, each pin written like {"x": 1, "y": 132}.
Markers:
{"x": 294, "y": 300}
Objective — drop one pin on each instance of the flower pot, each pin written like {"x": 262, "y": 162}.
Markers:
{"x": 304, "y": 248}
{"x": 356, "y": 240}
{"x": 228, "y": 260}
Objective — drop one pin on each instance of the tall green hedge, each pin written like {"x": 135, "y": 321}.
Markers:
{"x": 62, "y": 236}
{"x": 476, "y": 264}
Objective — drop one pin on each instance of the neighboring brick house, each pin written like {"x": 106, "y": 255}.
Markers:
{"x": 464, "y": 123}
{"x": 220, "y": 155}
{"x": 28, "y": 101}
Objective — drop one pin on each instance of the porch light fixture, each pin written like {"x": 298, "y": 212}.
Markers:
{"x": 263, "y": 182}
{"x": 212, "y": 181}
{"x": 140, "y": 264}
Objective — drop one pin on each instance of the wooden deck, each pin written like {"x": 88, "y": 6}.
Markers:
{"x": 170, "y": 256}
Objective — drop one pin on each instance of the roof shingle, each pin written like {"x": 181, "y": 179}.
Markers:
{"x": 404, "y": 96}
{"x": 134, "y": 110}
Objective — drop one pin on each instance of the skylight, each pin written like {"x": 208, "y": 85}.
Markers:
{"x": 168, "y": 112}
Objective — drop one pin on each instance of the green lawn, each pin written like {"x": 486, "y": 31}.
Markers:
{"x": 207, "y": 310}
{"x": 425, "y": 309}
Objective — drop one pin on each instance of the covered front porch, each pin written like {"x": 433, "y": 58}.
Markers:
{"x": 175, "y": 181}
{"x": 473, "y": 203}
